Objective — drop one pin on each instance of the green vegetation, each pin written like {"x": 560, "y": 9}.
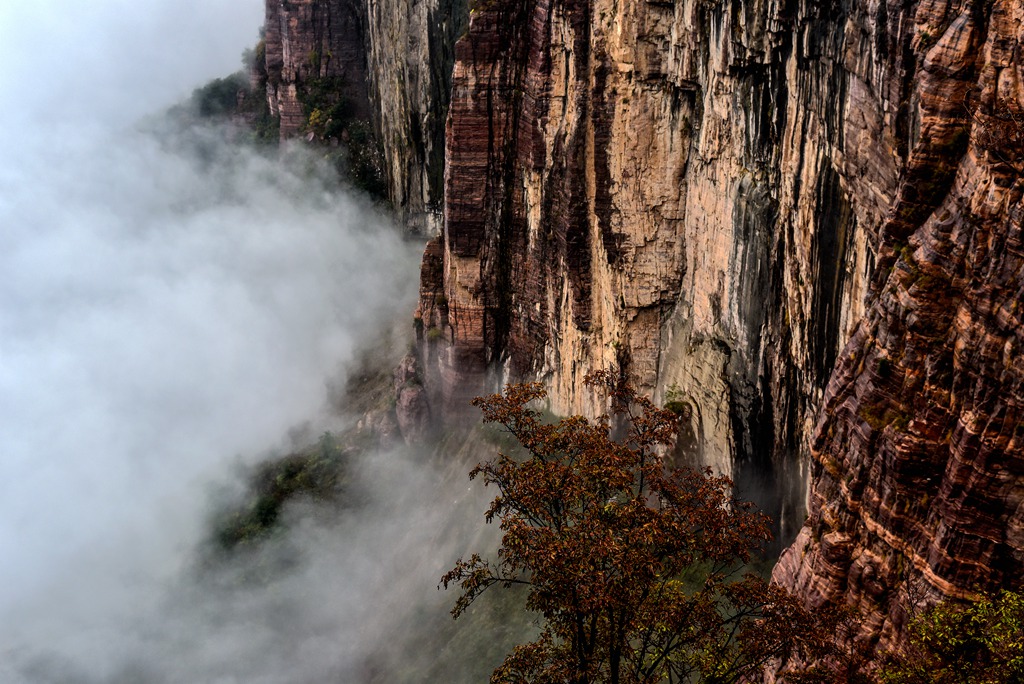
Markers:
{"x": 316, "y": 473}
{"x": 220, "y": 96}
{"x": 632, "y": 567}
{"x": 879, "y": 415}
{"x": 348, "y": 142}
{"x": 330, "y": 119}
{"x": 981, "y": 642}
{"x": 676, "y": 402}
{"x": 326, "y": 111}
{"x": 235, "y": 98}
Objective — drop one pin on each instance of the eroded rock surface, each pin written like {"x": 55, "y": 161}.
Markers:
{"x": 698, "y": 193}
{"x": 411, "y": 51}
{"x": 391, "y": 62}
{"x": 412, "y": 407}
{"x": 689, "y": 191}
{"x": 734, "y": 202}
{"x": 310, "y": 40}
{"x": 918, "y": 470}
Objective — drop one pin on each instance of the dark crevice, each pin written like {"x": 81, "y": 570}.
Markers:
{"x": 834, "y": 229}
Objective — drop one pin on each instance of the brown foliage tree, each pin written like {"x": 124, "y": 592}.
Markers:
{"x": 632, "y": 566}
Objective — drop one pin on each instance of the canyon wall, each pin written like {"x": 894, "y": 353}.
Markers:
{"x": 391, "y": 61}
{"x": 411, "y": 51}
{"x": 306, "y": 41}
{"x": 688, "y": 191}
{"x": 918, "y": 452}
{"x": 697, "y": 193}
{"x": 801, "y": 220}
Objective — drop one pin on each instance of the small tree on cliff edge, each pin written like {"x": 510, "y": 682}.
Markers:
{"x": 630, "y": 565}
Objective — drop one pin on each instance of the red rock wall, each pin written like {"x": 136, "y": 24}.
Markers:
{"x": 680, "y": 190}
{"x": 699, "y": 193}
{"x": 309, "y": 39}
{"x": 918, "y": 454}
{"x": 801, "y": 218}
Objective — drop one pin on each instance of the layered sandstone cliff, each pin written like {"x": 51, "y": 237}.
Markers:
{"x": 697, "y": 192}
{"x": 390, "y": 61}
{"x": 306, "y": 41}
{"x": 918, "y": 470}
{"x": 689, "y": 191}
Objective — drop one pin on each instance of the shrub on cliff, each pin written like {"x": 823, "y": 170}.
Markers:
{"x": 329, "y": 118}
{"x": 219, "y": 97}
{"x": 632, "y": 567}
{"x": 975, "y": 643}
{"x": 231, "y": 99}
{"x": 316, "y": 473}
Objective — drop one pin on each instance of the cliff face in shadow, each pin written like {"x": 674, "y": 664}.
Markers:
{"x": 802, "y": 219}
{"x": 311, "y": 41}
{"x": 387, "y": 60}
{"x": 411, "y": 51}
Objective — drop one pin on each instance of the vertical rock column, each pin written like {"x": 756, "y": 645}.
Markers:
{"x": 411, "y": 53}
{"x": 544, "y": 272}
{"x": 470, "y": 310}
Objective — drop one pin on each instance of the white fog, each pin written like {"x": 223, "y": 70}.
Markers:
{"x": 164, "y": 320}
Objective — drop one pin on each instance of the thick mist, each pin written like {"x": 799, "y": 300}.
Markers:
{"x": 170, "y": 306}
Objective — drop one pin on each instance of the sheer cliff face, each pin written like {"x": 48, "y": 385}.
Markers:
{"x": 393, "y": 60}
{"x": 307, "y": 40}
{"x": 411, "y": 50}
{"x": 685, "y": 190}
{"x": 697, "y": 192}
{"x": 918, "y": 470}
{"x": 802, "y": 219}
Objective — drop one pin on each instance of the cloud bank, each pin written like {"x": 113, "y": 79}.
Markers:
{"x": 166, "y": 311}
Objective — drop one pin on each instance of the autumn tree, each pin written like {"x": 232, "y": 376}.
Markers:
{"x": 633, "y": 567}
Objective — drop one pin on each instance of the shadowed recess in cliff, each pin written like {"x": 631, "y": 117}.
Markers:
{"x": 835, "y": 226}
{"x": 757, "y": 293}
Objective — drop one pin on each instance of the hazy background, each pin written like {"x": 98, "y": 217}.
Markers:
{"x": 163, "y": 319}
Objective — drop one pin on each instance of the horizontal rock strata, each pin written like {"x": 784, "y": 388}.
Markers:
{"x": 918, "y": 470}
